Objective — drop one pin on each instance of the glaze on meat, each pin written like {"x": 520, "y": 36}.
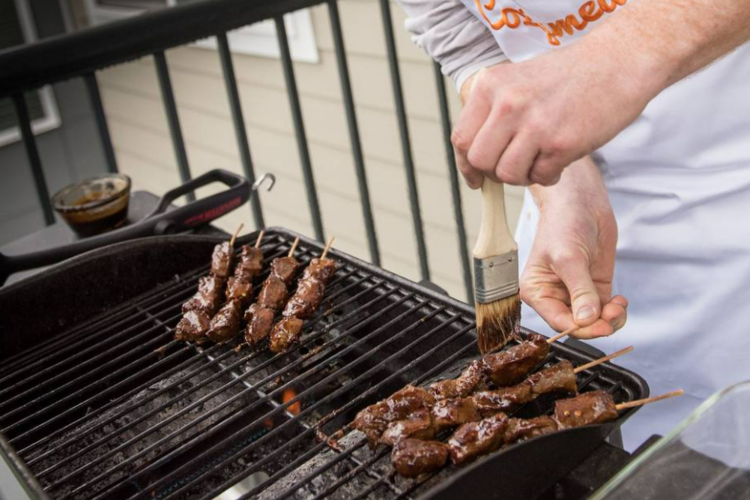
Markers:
{"x": 511, "y": 366}
{"x": 412, "y": 457}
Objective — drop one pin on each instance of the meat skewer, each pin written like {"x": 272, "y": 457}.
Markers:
{"x": 271, "y": 298}
{"x": 560, "y": 378}
{"x": 200, "y": 308}
{"x": 505, "y": 368}
{"x": 478, "y": 438}
{"x": 453, "y": 412}
{"x": 225, "y": 325}
{"x": 304, "y": 302}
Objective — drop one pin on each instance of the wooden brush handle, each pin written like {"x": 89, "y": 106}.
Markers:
{"x": 495, "y": 237}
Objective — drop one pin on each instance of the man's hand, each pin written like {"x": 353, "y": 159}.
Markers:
{"x": 568, "y": 277}
{"x": 523, "y": 123}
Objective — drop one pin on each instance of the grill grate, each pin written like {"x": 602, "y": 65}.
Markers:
{"x": 115, "y": 408}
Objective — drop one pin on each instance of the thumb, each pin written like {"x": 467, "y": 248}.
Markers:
{"x": 584, "y": 298}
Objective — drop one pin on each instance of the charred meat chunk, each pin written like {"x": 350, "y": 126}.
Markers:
{"x": 417, "y": 425}
{"x": 320, "y": 269}
{"x": 475, "y": 439}
{"x": 259, "y": 323}
{"x": 250, "y": 262}
{"x": 222, "y": 259}
{"x": 558, "y": 378}
{"x": 225, "y": 325}
{"x": 192, "y": 326}
{"x": 505, "y": 399}
{"x": 273, "y": 294}
{"x": 412, "y": 457}
{"x": 207, "y": 297}
{"x": 306, "y": 299}
{"x": 521, "y": 429}
{"x": 462, "y": 386}
{"x": 284, "y": 268}
{"x": 374, "y": 419}
{"x": 239, "y": 289}
{"x": 512, "y": 365}
{"x": 285, "y": 333}
{"x": 596, "y": 407}
{"x": 454, "y": 412}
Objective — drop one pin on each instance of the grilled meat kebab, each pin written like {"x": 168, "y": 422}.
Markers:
{"x": 303, "y": 303}
{"x": 271, "y": 298}
{"x": 377, "y": 420}
{"x": 478, "y": 438}
{"x": 225, "y": 325}
{"x": 200, "y": 308}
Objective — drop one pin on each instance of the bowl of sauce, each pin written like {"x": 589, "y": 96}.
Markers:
{"x": 96, "y": 205}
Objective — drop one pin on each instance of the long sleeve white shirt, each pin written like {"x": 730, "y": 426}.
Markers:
{"x": 452, "y": 36}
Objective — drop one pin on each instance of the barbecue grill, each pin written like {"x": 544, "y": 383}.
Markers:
{"x": 98, "y": 401}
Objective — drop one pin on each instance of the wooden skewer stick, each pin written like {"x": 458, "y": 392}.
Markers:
{"x": 234, "y": 236}
{"x": 563, "y": 334}
{"x": 294, "y": 246}
{"x": 604, "y": 359}
{"x": 260, "y": 238}
{"x": 328, "y": 247}
{"x": 641, "y": 402}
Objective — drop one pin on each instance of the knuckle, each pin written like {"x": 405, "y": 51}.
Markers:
{"x": 460, "y": 141}
{"x": 559, "y": 145}
{"x": 477, "y": 159}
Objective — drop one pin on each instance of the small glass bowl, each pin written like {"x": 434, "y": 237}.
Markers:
{"x": 95, "y": 205}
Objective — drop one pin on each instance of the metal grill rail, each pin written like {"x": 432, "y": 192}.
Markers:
{"x": 173, "y": 415}
{"x": 82, "y": 54}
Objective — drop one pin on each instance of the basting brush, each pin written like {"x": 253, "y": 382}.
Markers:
{"x": 496, "y": 292}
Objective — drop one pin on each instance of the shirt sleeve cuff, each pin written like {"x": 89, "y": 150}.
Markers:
{"x": 462, "y": 74}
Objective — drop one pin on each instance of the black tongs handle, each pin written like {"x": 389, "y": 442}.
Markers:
{"x": 161, "y": 221}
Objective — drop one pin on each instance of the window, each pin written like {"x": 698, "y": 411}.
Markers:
{"x": 258, "y": 39}
{"x": 17, "y": 28}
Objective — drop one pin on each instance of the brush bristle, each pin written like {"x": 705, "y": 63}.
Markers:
{"x": 497, "y": 322}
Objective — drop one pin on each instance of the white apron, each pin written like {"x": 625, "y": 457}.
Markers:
{"x": 679, "y": 183}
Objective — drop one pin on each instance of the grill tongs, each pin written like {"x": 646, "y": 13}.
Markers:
{"x": 165, "y": 219}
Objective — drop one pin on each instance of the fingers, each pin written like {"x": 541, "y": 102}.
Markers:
{"x": 469, "y": 123}
{"x": 489, "y": 145}
{"x": 614, "y": 316}
{"x": 573, "y": 270}
{"x": 516, "y": 161}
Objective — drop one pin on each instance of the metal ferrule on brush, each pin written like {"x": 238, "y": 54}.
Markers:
{"x": 496, "y": 277}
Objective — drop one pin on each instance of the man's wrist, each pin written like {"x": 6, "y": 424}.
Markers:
{"x": 581, "y": 185}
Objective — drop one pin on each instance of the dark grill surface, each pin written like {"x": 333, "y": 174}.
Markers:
{"x": 115, "y": 408}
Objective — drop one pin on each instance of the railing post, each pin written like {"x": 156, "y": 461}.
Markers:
{"x": 29, "y": 142}
{"x": 445, "y": 118}
{"x": 299, "y": 128}
{"x": 235, "y": 106}
{"x": 170, "y": 107}
{"x": 403, "y": 127}
{"x": 354, "y": 137}
{"x": 101, "y": 121}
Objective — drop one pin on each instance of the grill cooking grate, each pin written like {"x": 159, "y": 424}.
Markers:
{"x": 115, "y": 408}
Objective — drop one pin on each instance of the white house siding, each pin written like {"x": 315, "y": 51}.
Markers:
{"x": 140, "y": 134}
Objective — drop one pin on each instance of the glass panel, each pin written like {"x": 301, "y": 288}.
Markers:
{"x": 705, "y": 457}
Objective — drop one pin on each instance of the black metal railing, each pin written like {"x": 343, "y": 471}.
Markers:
{"x": 82, "y": 54}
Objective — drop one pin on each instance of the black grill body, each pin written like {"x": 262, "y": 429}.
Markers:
{"x": 98, "y": 401}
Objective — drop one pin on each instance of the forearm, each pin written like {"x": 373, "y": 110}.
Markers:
{"x": 580, "y": 183}
{"x": 662, "y": 41}
{"x": 450, "y": 34}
